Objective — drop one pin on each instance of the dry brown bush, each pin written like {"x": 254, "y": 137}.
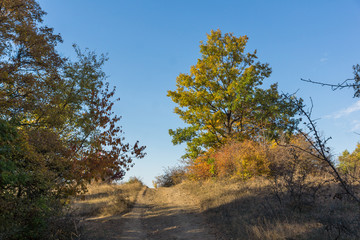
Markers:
{"x": 293, "y": 173}
{"x": 170, "y": 177}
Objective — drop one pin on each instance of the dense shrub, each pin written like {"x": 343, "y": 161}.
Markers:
{"x": 34, "y": 182}
{"x": 202, "y": 168}
{"x": 297, "y": 175}
{"x": 135, "y": 180}
{"x": 235, "y": 159}
{"x": 171, "y": 177}
{"x": 242, "y": 159}
{"x": 246, "y": 159}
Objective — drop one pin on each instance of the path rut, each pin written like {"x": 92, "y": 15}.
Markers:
{"x": 161, "y": 214}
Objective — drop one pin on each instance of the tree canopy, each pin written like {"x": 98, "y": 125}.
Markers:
{"x": 349, "y": 162}
{"x": 221, "y": 98}
{"x": 57, "y": 127}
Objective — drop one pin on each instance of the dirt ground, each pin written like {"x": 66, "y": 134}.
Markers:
{"x": 162, "y": 214}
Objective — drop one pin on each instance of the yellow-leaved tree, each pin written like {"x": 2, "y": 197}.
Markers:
{"x": 221, "y": 99}
{"x": 349, "y": 163}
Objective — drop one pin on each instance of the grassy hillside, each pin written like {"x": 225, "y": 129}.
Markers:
{"x": 256, "y": 210}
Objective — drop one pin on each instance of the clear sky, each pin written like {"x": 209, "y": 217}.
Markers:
{"x": 150, "y": 42}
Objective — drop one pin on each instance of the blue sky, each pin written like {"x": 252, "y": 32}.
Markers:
{"x": 150, "y": 42}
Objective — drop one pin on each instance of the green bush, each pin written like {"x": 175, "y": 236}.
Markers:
{"x": 31, "y": 196}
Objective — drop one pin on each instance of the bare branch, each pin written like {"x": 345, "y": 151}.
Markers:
{"x": 334, "y": 87}
{"x": 319, "y": 145}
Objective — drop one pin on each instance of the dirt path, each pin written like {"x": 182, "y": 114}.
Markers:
{"x": 162, "y": 214}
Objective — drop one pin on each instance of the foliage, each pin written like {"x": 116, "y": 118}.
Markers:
{"x": 29, "y": 63}
{"x": 221, "y": 98}
{"x": 349, "y": 163}
{"x": 58, "y": 129}
{"x": 241, "y": 160}
{"x": 170, "y": 177}
{"x": 248, "y": 158}
{"x": 95, "y": 137}
{"x": 135, "y": 180}
{"x": 202, "y": 168}
{"x": 30, "y": 192}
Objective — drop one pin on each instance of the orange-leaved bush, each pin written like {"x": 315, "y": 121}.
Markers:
{"x": 202, "y": 168}
{"x": 235, "y": 159}
{"x": 247, "y": 159}
{"x": 242, "y": 159}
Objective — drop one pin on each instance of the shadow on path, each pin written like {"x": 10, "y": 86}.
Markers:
{"x": 154, "y": 216}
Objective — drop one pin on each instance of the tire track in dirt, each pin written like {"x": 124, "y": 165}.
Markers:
{"x": 161, "y": 214}
{"x": 127, "y": 226}
{"x": 172, "y": 215}
{"x": 133, "y": 227}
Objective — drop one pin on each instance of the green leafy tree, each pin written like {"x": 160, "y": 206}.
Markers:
{"x": 90, "y": 127}
{"x": 349, "y": 163}
{"x": 221, "y": 98}
{"x": 29, "y": 63}
{"x": 57, "y": 127}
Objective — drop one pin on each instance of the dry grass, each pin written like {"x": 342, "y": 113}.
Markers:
{"x": 106, "y": 199}
{"x": 251, "y": 210}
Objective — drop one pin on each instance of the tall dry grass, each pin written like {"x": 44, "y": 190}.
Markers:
{"x": 251, "y": 210}
{"x": 103, "y": 199}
